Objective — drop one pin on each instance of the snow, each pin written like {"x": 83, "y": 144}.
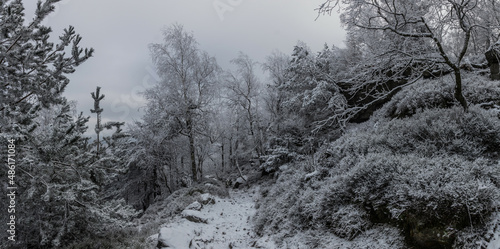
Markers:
{"x": 241, "y": 180}
{"x": 174, "y": 237}
{"x": 229, "y": 225}
{"x": 495, "y": 243}
{"x": 207, "y": 199}
{"x": 194, "y": 206}
{"x": 194, "y": 216}
{"x": 311, "y": 175}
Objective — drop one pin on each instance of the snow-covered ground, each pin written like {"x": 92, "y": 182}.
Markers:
{"x": 228, "y": 225}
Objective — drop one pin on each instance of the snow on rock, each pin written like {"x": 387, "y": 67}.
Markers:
{"x": 307, "y": 177}
{"x": 240, "y": 180}
{"x": 194, "y": 216}
{"x": 228, "y": 226}
{"x": 194, "y": 206}
{"x": 173, "y": 238}
{"x": 207, "y": 199}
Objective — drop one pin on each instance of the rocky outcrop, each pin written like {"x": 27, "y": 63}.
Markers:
{"x": 194, "y": 216}
{"x": 493, "y": 57}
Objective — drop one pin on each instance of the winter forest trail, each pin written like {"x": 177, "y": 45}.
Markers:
{"x": 224, "y": 223}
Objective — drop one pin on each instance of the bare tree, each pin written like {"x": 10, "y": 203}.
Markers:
{"x": 276, "y": 66}
{"x": 244, "y": 87}
{"x": 447, "y": 27}
{"x": 188, "y": 80}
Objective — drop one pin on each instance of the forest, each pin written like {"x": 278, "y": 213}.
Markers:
{"x": 392, "y": 141}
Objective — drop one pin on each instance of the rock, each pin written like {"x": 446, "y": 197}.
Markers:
{"x": 194, "y": 216}
{"x": 240, "y": 181}
{"x": 493, "y": 57}
{"x": 433, "y": 237}
{"x": 207, "y": 199}
{"x": 173, "y": 238}
{"x": 194, "y": 206}
{"x": 308, "y": 177}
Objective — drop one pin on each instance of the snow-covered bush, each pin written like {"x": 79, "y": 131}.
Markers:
{"x": 433, "y": 175}
{"x": 438, "y": 93}
{"x": 431, "y": 132}
{"x": 277, "y": 157}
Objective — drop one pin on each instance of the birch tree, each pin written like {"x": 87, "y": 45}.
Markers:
{"x": 243, "y": 87}
{"x": 186, "y": 90}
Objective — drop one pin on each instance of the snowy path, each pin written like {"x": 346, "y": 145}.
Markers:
{"x": 228, "y": 225}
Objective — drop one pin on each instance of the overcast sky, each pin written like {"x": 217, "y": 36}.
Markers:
{"x": 120, "y": 31}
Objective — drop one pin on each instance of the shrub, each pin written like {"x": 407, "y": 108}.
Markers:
{"x": 432, "y": 175}
{"x": 438, "y": 93}
{"x": 428, "y": 133}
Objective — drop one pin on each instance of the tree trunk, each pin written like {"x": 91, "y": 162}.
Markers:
{"x": 231, "y": 157}
{"x": 222, "y": 155}
{"x": 194, "y": 171}
{"x": 458, "y": 90}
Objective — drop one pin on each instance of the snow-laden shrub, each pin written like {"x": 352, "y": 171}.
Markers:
{"x": 378, "y": 237}
{"x": 277, "y": 157}
{"x": 439, "y": 93}
{"x": 275, "y": 212}
{"x": 434, "y": 175}
{"x": 449, "y": 188}
{"x": 428, "y": 133}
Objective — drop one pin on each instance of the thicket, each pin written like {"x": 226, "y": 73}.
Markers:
{"x": 435, "y": 173}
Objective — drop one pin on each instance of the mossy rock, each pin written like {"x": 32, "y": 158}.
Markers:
{"x": 429, "y": 232}
{"x": 433, "y": 237}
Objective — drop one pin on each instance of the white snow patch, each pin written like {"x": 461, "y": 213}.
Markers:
{"x": 495, "y": 242}
{"x": 228, "y": 223}
{"x": 242, "y": 179}
{"x": 194, "y": 206}
{"x": 174, "y": 237}
{"x": 207, "y": 199}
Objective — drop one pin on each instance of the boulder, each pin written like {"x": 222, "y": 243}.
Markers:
{"x": 194, "y": 206}
{"x": 493, "y": 58}
{"x": 207, "y": 199}
{"x": 433, "y": 237}
{"x": 194, "y": 216}
{"x": 173, "y": 238}
{"x": 240, "y": 181}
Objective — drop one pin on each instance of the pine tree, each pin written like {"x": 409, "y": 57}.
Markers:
{"x": 97, "y": 110}
{"x": 33, "y": 71}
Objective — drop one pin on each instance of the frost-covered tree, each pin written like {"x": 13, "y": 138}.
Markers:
{"x": 243, "y": 97}
{"x": 33, "y": 70}
{"x": 431, "y": 31}
{"x": 60, "y": 200}
{"x": 55, "y": 195}
{"x": 188, "y": 81}
{"x": 312, "y": 93}
{"x": 97, "y": 110}
{"x": 306, "y": 103}
{"x": 276, "y": 66}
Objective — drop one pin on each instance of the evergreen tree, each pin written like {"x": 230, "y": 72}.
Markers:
{"x": 97, "y": 110}
{"x": 33, "y": 71}
{"x": 55, "y": 198}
